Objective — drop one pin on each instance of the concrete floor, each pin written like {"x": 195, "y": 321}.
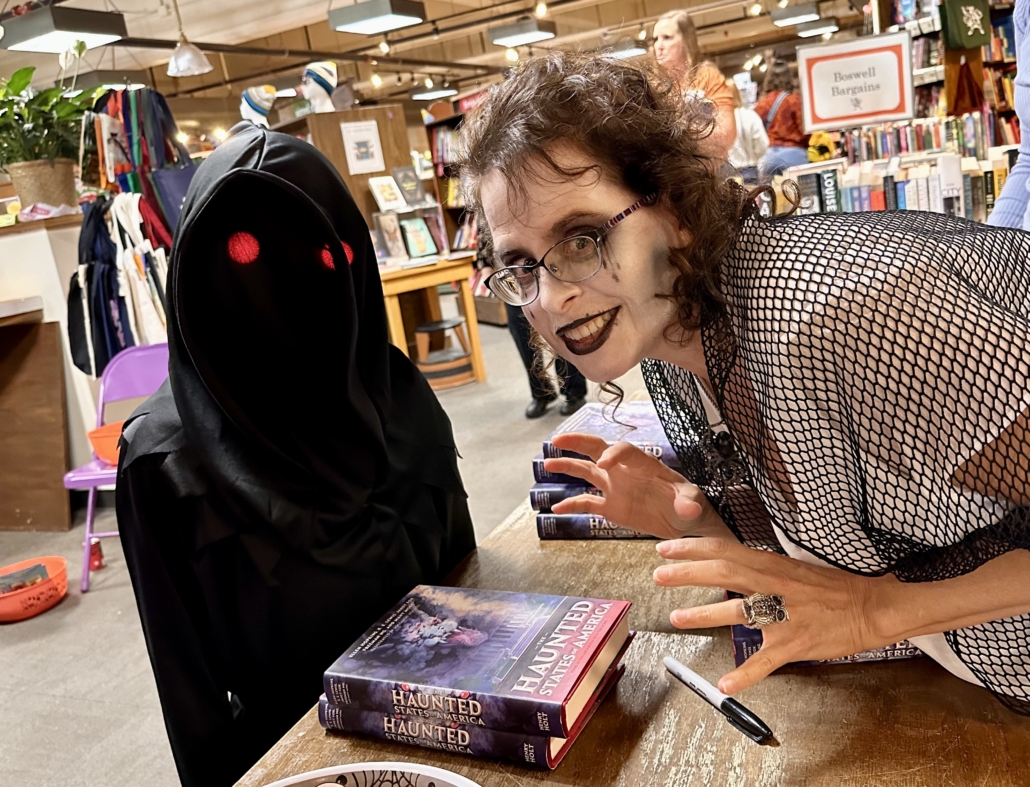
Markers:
{"x": 78, "y": 704}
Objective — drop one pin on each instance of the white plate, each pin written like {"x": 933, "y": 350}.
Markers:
{"x": 378, "y": 774}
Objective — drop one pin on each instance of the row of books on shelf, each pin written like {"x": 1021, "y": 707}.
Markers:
{"x": 947, "y": 183}
{"x": 467, "y": 235}
{"x": 485, "y": 673}
{"x": 971, "y": 134}
{"x": 441, "y": 141}
{"x": 1000, "y": 88}
{"x": 450, "y": 193}
{"x": 927, "y": 51}
{"x": 1002, "y": 46}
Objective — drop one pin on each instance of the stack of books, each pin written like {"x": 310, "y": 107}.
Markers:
{"x": 634, "y": 422}
{"x": 480, "y": 672}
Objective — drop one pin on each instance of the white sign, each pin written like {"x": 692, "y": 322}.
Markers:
{"x": 856, "y": 83}
{"x": 364, "y": 151}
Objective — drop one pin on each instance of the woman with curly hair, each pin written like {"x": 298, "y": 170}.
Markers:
{"x": 848, "y": 393}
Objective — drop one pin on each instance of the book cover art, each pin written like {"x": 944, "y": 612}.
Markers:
{"x": 409, "y": 184}
{"x": 808, "y": 191}
{"x": 26, "y": 577}
{"x": 387, "y": 194}
{"x": 637, "y": 423}
{"x": 419, "y": 240}
{"x": 557, "y": 527}
{"x": 501, "y": 660}
{"x": 543, "y": 496}
{"x": 389, "y": 228}
{"x": 470, "y": 739}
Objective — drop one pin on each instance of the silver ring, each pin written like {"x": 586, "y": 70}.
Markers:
{"x": 761, "y": 609}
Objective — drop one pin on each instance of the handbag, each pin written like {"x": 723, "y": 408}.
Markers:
{"x": 965, "y": 24}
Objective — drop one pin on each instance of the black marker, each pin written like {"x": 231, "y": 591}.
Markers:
{"x": 735, "y": 713}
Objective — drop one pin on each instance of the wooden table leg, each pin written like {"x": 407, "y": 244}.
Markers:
{"x": 396, "y": 322}
{"x": 478, "y": 367}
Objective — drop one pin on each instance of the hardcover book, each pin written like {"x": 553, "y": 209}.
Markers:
{"x": 747, "y": 642}
{"x": 516, "y": 662}
{"x": 434, "y": 732}
{"x": 543, "y": 496}
{"x": 637, "y": 424}
{"x": 544, "y": 476}
{"x": 557, "y": 527}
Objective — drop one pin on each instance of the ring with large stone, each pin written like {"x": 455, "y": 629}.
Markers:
{"x": 761, "y": 609}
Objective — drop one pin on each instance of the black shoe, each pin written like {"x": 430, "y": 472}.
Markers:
{"x": 537, "y": 407}
{"x": 569, "y": 406}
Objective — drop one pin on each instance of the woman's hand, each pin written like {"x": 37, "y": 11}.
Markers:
{"x": 831, "y": 611}
{"x": 639, "y": 491}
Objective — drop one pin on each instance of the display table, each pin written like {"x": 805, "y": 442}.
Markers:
{"x": 400, "y": 280}
{"x": 886, "y": 724}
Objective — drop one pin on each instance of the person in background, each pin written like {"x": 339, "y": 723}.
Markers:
{"x": 751, "y": 142}
{"x": 677, "y": 52}
{"x": 1012, "y": 208}
{"x": 780, "y": 110}
{"x": 571, "y": 383}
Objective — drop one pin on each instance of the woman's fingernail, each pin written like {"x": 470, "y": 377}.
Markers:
{"x": 679, "y": 618}
{"x": 663, "y": 547}
{"x": 661, "y": 574}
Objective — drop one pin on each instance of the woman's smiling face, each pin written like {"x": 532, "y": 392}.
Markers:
{"x": 607, "y": 323}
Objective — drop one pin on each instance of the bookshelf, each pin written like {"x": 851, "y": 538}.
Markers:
{"x": 448, "y": 193}
{"x": 999, "y": 66}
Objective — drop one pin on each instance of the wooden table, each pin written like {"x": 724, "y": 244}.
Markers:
{"x": 890, "y": 724}
{"x": 399, "y": 280}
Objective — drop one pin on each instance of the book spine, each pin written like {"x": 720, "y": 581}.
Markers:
{"x": 923, "y": 193}
{"x": 933, "y": 186}
{"x": 989, "y": 192}
{"x": 542, "y": 476}
{"x": 856, "y": 199}
{"x": 900, "y": 187}
{"x": 845, "y": 200}
{"x": 449, "y": 706}
{"x": 808, "y": 187}
{"x": 542, "y": 497}
{"x": 979, "y": 199}
{"x": 877, "y": 199}
{"x": 747, "y": 642}
{"x": 830, "y": 191}
{"x": 865, "y": 195}
{"x": 890, "y": 192}
{"x": 967, "y": 195}
{"x": 567, "y": 527}
{"x": 433, "y": 733}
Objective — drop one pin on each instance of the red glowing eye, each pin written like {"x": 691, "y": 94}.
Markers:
{"x": 349, "y": 252}
{"x": 327, "y": 258}
{"x": 243, "y": 248}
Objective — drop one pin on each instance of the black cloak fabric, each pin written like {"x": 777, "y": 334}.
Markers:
{"x": 295, "y": 476}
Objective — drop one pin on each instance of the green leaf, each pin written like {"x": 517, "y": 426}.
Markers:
{"x": 20, "y": 80}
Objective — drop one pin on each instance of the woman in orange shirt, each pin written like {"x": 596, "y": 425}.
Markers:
{"x": 780, "y": 110}
{"x": 677, "y": 52}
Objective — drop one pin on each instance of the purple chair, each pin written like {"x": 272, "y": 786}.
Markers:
{"x": 132, "y": 373}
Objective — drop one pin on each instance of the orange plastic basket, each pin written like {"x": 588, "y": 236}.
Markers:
{"x": 29, "y": 602}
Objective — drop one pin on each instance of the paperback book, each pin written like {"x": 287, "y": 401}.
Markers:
{"x": 557, "y": 527}
{"x": 435, "y": 732}
{"x": 515, "y": 662}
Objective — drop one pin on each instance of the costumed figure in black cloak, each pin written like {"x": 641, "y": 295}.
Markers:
{"x": 295, "y": 476}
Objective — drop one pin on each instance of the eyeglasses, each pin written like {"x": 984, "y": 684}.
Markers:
{"x": 570, "y": 260}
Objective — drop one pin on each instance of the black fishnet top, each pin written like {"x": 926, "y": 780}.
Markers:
{"x": 859, "y": 362}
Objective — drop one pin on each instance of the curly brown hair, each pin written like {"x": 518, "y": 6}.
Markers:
{"x": 637, "y": 128}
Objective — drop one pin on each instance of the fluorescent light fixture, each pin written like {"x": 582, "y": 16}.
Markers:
{"x": 625, "y": 49}
{"x": 109, "y": 80}
{"x": 523, "y": 31}
{"x": 428, "y": 94}
{"x": 818, "y": 28}
{"x": 795, "y": 14}
{"x": 55, "y": 29}
{"x": 376, "y": 16}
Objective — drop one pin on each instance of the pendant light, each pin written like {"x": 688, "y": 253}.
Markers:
{"x": 186, "y": 60}
{"x": 55, "y": 29}
{"x": 526, "y": 30}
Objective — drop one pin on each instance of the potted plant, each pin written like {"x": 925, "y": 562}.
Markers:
{"x": 39, "y": 138}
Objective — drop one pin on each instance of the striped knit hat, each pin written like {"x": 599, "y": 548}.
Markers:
{"x": 322, "y": 74}
{"x": 260, "y": 98}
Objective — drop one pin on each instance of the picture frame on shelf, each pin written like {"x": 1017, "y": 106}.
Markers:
{"x": 418, "y": 238}
{"x": 387, "y": 193}
{"x": 389, "y": 229}
{"x": 410, "y": 186}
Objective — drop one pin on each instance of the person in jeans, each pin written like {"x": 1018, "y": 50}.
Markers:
{"x": 752, "y": 142}
{"x": 780, "y": 110}
{"x": 571, "y": 383}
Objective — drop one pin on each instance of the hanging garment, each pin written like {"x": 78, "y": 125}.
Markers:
{"x": 295, "y": 476}
{"x": 861, "y": 362}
